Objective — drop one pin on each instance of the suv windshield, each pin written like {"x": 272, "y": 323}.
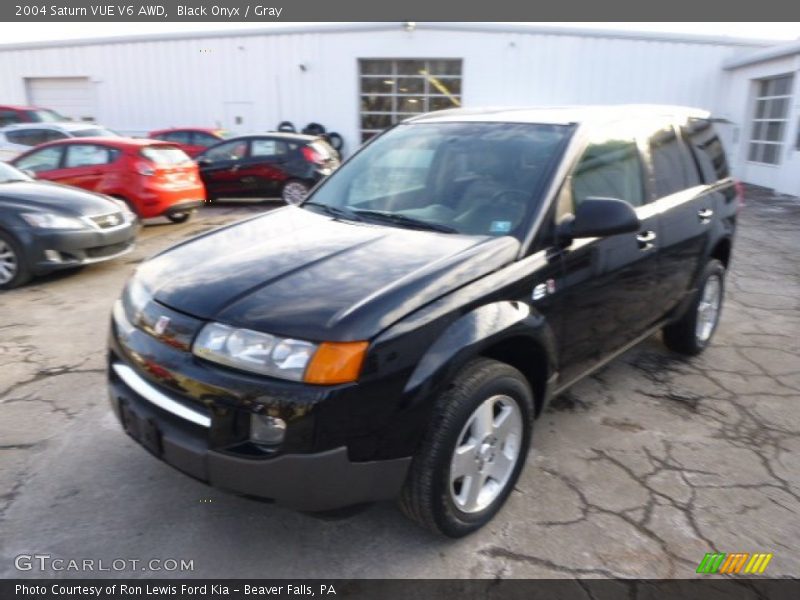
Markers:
{"x": 471, "y": 178}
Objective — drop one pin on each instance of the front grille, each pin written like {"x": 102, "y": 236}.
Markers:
{"x": 103, "y": 251}
{"x": 108, "y": 221}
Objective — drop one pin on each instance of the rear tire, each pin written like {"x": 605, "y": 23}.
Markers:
{"x": 692, "y": 333}
{"x": 294, "y": 192}
{"x": 14, "y": 270}
{"x": 473, "y": 451}
{"x": 180, "y": 217}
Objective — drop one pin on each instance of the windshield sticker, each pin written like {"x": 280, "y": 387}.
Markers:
{"x": 500, "y": 227}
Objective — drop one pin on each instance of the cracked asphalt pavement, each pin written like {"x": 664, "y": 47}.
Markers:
{"x": 638, "y": 471}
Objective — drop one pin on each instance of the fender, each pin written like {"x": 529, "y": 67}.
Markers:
{"x": 476, "y": 332}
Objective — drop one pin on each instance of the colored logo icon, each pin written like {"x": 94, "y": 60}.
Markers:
{"x": 737, "y": 562}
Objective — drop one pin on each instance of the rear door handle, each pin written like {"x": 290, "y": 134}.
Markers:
{"x": 646, "y": 239}
{"x": 705, "y": 215}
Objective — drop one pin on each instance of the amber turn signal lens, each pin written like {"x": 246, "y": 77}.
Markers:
{"x": 336, "y": 362}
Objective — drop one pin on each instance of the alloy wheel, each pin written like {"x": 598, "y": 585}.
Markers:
{"x": 708, "y": 308}
{"x": 485, "y": 454}
{"x": 294, "y": 193}
{"x": 8, "y": 262}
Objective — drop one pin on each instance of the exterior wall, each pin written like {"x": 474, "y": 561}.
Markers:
{"x": 737, "y": 105}
{"x": 142, "y": 85}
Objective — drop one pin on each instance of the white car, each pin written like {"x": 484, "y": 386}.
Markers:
{"x": 16, "y": 139}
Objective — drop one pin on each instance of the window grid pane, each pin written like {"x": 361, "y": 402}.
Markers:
{"x": 770, "y": 119}
{"x": 392, "y": 90}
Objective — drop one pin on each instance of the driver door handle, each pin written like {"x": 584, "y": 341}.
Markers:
{"x": 705, "y": 215}
{"x": 645, "y": 239}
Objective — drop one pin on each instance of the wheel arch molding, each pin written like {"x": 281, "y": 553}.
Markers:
{"x": 508, "y": 331}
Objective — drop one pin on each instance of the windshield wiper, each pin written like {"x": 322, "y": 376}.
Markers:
{"x": 401, "y": 219}
{"x": 334, "y": 211}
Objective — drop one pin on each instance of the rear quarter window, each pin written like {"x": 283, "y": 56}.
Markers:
{"x": 707, "y": 149}
{"x": 674, "y": 169}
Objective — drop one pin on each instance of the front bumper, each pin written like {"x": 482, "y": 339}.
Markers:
{"x": 312, "y": 482}
{"x": 50, "y": 250}
{"x": 195, "y": 417}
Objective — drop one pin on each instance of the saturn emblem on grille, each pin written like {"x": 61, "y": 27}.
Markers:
{"x": 161, "y": 325}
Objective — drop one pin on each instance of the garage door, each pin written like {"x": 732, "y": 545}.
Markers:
{"x": 73, "y": 97}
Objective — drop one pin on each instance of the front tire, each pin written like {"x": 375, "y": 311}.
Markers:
{"x": 692, "y": 333}
{"x": 294, "y": 192}
{"x": 473, "y": 451}
{"x": 14, "y": 271}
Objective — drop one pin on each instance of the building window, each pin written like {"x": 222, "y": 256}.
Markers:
{"x": 393, "y": 90}
{"x": 770, "y": 120}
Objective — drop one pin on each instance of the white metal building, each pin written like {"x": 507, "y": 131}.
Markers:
{"x": 359, "y": 78}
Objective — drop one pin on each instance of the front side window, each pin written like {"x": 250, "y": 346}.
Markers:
{"x": 609, "y": 168}
{"x": 470, "y": 178}
{"x": 46, "y": 159}
{"x": 179, "y": 137}
{"x": 94, "y": 132}
{"x": 87, "y": 155}
{"x": 770, "y": 119}
{"x": 673, "y": 166}
{"x": 393, "y": 90}
{"x": 201, "y": 138}
{"x": 233, "y": 150}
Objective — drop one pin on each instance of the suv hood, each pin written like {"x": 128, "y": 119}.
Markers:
{"x": 300, "y": 274}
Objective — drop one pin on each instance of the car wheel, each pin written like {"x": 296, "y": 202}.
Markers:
{"x": 180, "y": 217}
{"x": 473, "y": 451}
{"x": 294, "y": 192}
{"x": 13, "y": 270}
{"x": 692, "y": 332}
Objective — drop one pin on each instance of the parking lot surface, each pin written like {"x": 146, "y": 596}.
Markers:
{"x": 636, "y": 472}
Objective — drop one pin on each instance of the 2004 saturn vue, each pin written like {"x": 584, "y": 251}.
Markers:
{"x": 397, "y": 333}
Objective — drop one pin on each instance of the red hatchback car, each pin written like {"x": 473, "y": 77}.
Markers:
{"x": 10, "y": 114}
{"x": 154, "y": 178}
{"x": 192, "y": 140}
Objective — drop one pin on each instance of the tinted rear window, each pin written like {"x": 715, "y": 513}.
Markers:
{"x": 707, "y": 149}
{"x": 165, "y": 155}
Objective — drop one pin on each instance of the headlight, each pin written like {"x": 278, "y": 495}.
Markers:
{"x": 123, "y": 206}
{"x": 135, "y": 298}
{"x": 254, "y": 351}
{"x": 52, "y": 221}
{"x": 284, "y": 358}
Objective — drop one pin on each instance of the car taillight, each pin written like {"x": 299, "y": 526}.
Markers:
{"x": 144, "y": 169}
{"x": 737, "y": 185}
{"x": 312, "y": 155}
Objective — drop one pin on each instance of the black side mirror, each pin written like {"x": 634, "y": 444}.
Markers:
{"x": 203, "y": 162}
{"x": 600, "y": 217}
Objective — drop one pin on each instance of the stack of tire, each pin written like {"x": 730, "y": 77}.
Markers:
{"x": 334, "y": 139}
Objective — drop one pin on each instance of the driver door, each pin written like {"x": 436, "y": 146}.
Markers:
{"x": 220, "y": 166}
{"x": 608, "y": 285}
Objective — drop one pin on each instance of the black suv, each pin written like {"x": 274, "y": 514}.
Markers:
{"x": 397, "y": 334}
